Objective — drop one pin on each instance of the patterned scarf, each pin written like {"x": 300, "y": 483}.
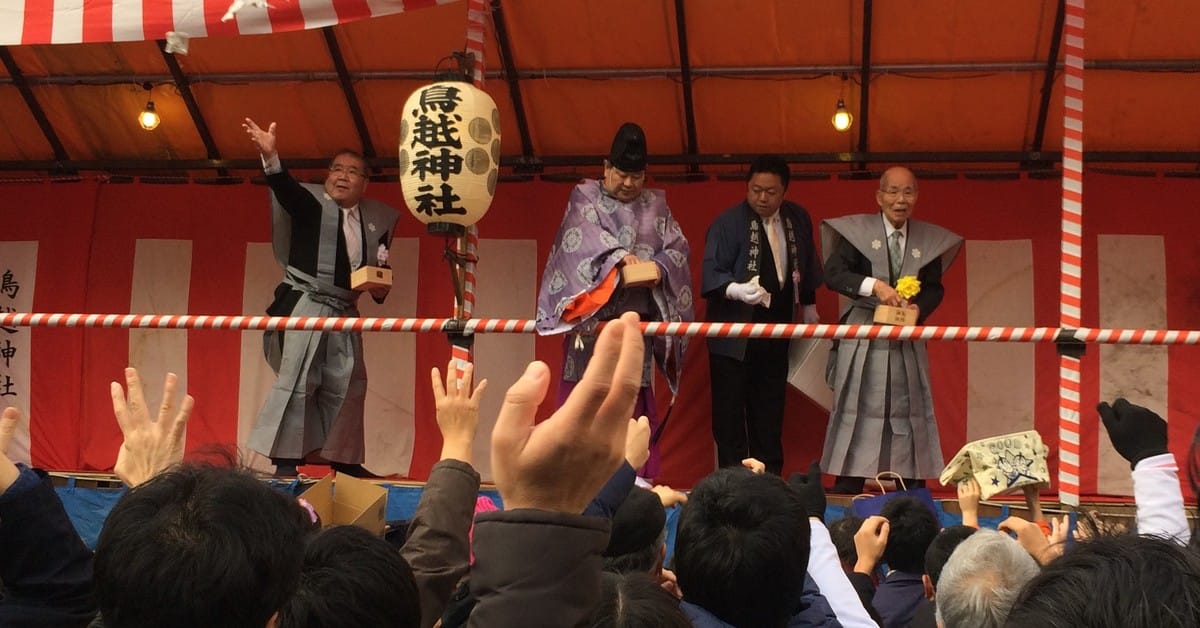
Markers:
{"x": 758, "y": 235}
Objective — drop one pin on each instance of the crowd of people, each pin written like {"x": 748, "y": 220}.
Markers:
{"x": 577, "y": 542}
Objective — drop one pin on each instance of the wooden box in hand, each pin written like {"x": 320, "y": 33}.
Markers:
{"x": 639, "y": 275}
{"x": 370, "y": 277}
{"x": 890, "y": 315}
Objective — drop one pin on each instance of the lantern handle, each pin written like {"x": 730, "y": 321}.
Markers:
{"x": 462, "y": 67}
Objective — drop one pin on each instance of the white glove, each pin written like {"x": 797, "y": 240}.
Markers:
{"x": 809, "y": 315}
{"x": 749, "y": 292}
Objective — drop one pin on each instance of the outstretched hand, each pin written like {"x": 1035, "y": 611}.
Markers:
{"x": 968, "y": 502}
{"x": 263, "y": 140}
{"x": 869, "y": 543}
{"x": 1031, "y": 537}
{"x": 457, "y": 410}
{"x": 1136, "y": 432}
{"x": 758, "y": 467}
{"x": 8, "y": 427}
{"x": 150, "y": 446}
{"x": 812, "y": 494}
{"x": 562, "y": 462}
{"x": 637, "y": 442}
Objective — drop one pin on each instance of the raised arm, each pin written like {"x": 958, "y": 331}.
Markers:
{"x": 437, "y": 546}
{"x": 294, "y": 199}
{"x": 45, "y": 567}
{"x": 546, "y": 474}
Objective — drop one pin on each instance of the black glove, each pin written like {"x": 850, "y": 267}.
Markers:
{"x": 1136, "y": 432}
{"x": 811, "y": 493}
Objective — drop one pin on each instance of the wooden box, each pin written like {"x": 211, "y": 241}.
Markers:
{"x": 890, "y": 315}
{"x": 639, "y": 275}
{"x": 368, "y": 277}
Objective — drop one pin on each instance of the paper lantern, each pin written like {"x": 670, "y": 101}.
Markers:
{"x": 449, "y": 155}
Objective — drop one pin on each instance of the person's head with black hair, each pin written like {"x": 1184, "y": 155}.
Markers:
{"x": 199, "y": 546}
{"x": 742, "y": 550}
{"x": 939, "y": 552}
{"x": 635, "y": 600}
{"x": 353, "y": 578}
{"x": 638, "y": 539}
{"x": 913, "y": 528}
{"x": 766, "y": 182}
{"x": 1123, "y": 580}
{"x": 841, "y": 532}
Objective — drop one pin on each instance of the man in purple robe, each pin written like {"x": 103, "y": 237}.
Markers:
{"x": 611, "y": 224}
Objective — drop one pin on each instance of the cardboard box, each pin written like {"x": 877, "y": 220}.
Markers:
{"x": 368, "y": 277}
{"x": 348, "y": 500}
{"x": 639, "y": 275}
{"x": 889, "y": 315}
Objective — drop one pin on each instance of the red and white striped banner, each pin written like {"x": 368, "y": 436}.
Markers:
{"x": 24, "y": 22}
{"x": 1071, "y": 283}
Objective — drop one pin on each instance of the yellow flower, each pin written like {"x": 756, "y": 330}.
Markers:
{"x": 908, "y": 286}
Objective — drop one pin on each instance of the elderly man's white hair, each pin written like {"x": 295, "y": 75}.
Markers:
{"x": 981, "y": 581}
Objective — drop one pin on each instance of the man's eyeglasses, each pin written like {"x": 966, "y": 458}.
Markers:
{"x": 349, "y": 171}
{"x": 906, "y": 192}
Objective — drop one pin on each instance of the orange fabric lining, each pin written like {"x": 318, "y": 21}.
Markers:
{"x": 589, "y": 303}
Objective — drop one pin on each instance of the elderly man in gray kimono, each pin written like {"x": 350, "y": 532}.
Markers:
{"x": 611, "y": 223}
{"x": 882, "y": 415}
{"x": 321, "y": 234}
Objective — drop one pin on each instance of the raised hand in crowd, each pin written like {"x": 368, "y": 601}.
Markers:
{"x": 1136, "y": 432}
{"x": 1033, "y": 500}
{"x": 8, "y": 427}
{"x": 968, "y": 502}
{"x": 755, "y": 465}
{"x": 561, "y": 463}
{"x": 1140, "y": 436}
{"x": 869, "y": 542}
{"x": 669, "y": 496}
{"x": 637, "y": 442}
{"x": 812, "y": 494}
{"x": 668, "y": 581}
{"x": 1060, "y": 533}
{"x": 150, "y": 445}
{"x": 457, "y": 410}
{"x": 1031, "y": 537}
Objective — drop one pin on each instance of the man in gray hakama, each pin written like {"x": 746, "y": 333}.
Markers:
{"x": 882, "y": 415}
{"x": 320, "y": 235}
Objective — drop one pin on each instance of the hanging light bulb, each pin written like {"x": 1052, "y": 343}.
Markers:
{"x": 148, "y": 118}
{"x": 841, "y": 117}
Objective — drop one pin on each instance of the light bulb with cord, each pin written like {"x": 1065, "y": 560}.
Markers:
{"x": 148, "y": 119}
{"x": 841, "y": 117}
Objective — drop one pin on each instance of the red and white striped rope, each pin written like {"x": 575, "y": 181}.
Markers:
{"x": 523, "y": 326}
{"x": 1070, "y": 304}
{"x": 476, "y": 31}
